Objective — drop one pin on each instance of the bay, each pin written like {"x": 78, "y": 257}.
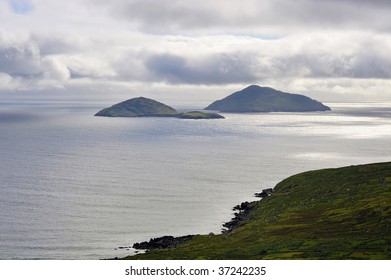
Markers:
{"x": 75, "y": 186}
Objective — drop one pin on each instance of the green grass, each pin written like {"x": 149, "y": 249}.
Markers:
{"x": 200, "y": 115}
{"x": 342, "y": 213}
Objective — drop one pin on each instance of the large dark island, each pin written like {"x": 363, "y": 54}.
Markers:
{"x": 265, "y": 99}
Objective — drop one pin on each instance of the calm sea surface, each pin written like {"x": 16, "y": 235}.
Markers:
{"x": 74, "y": 186}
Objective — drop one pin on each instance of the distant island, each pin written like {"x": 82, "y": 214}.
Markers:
{"x": 252, "y": 99}
{"x": 145, "y": 107}
{"x": 340, "y": 213}
{"x": 265, "y": 99}
{"x": 138, "y": 107}
{"x": 196, "y": 115}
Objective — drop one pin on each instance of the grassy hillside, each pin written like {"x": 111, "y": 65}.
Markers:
{"x": 342, "y": 213}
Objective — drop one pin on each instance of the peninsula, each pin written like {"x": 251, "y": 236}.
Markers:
{"x": 340, "y": 213}
{"x": 145, "y": 107}
{"x": 265, "y": 99}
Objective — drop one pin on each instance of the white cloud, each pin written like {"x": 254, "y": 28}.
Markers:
{"x": 55, "y": 69}
{"x": 5, "y": 81}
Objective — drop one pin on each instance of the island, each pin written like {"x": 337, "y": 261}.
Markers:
{"x": 145, "y": 107}
{"x": 197, "y": 115}
{"x": 138, "y": 107}
{"x": 255, "y": 99}
{"x": 339, "y": 213}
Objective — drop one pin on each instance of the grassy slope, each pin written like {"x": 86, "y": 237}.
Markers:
{"x": 342, "y": 213}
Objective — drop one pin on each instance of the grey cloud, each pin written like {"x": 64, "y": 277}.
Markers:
{"x": 53, "y": 45}
{"x": 165, "y": 15}
{"x": 356, "y": 66}
{"x": 43, "y": 61}
{"x": 371, "y": 66}
{"x": 368, "y": 60}
{"x": 171, "y": 68}
{"x": 22, "y": 60}
{"x": 301, "y": 66}
{"x": 170, "y": 14}
{"x": 371, "y": 3}
{"x": 266, "y": 16}
{"x": 23, "y": 65}
{"x": 213, "y": 69}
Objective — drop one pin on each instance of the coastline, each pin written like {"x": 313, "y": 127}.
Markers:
{"x": 241, "y": 215}
{"x": 310, "y": 215}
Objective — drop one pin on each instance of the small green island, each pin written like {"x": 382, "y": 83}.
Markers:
{"x": 196, "y": 115}
{"x": 145, "y": 107}
{"x": 256, "y": 99}
{"x": 340, "y": 213}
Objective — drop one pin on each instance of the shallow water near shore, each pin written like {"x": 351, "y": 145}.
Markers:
{"x": 74, "y": 186}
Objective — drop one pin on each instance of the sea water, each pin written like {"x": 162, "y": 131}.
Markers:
{"x": 75, "y": 186}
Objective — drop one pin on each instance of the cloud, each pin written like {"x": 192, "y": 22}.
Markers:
{"x": 37, "y": 62}
{"x": 294, "y": 44}
{"x": 220, "y": 68}
{"x": 23, "y": 66}
{"x": 5, "y": 81}
{"x": 219, "y": 60}
{"x": 54, "y": 69}
{"x": 267, "y": 16}
{"x": 19, "y": 57}
{"x": 354, "y": 56}
{"x": 359, "y": 56}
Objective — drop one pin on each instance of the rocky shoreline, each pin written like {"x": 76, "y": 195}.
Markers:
{"x": 241, "y": 216}
{"x": 308, "y": 216}
{"x": 163, "y": 242}
{"x": 243, "y": 211}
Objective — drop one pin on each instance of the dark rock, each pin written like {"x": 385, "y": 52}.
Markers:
{"x": 163, "y": 242}
{"x": 241, "y": 216}
{"x": 264, "y": 193}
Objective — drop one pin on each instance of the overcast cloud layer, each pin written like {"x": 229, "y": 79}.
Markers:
{"x": 326, "y": 49}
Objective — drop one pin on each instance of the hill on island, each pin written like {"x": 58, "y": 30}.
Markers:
{"x": 145, "y": 107}
{"x": 265, "y": 99}
{"x": 341, "y": 213}
{"x": 138, "y": 107}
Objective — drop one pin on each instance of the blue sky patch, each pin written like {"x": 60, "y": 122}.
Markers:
{"x": 22, "y": 7}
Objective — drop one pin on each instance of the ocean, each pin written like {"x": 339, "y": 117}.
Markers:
{"x": 75, "y": 186}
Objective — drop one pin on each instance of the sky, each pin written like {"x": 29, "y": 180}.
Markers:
{"x": 329, "y": 50}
